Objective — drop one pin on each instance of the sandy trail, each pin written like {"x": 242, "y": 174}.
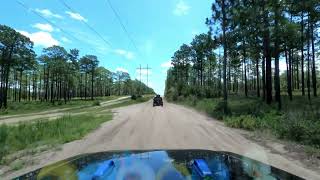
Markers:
{"x": 54, "y": 114}
{"x": 142, "y": 126}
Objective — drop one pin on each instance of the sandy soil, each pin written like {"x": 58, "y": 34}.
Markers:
{"x": 142, "y": 126}
{"x": 53, "y": 114}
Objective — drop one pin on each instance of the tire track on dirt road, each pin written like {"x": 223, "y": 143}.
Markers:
{"x": 143, "y": 127}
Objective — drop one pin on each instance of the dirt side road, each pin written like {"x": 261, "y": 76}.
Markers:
{"x": 56, "y": 113}
{"x": 142, "y": 126}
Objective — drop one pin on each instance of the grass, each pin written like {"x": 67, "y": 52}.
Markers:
{"x": 121, "y": 103}
{"x": 43, "y": 132}
{"x": 24, "y": 107}
{"x": 297, "y": 121}
{"x": 16, "y": 165}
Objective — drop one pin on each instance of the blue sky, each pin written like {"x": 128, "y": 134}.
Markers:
{"x": 157, "y": 28}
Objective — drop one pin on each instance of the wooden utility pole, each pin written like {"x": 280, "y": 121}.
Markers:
{"x": 147, "y": 68}
{"x": 139, "y": 68}
{"x": 140, "y": 72}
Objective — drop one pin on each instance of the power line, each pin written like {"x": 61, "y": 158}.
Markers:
{"x": 45, "y": 19}
{"x": 147, "y": 68}
{"x": 88, "y": 25}
{"x": 140, "y": 73}
{"x": 48, "y": 21}
{"x": 131, "y": 40}
{"x": 139, "y": 68}
{"x": 122, "y": 25}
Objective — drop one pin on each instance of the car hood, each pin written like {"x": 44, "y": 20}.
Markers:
{"x": 158, "y": 164}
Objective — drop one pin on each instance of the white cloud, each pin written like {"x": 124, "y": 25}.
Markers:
{"x": 182, "y": 8}
{"x": 96, "y": 44}
{"x": 66, "y": 40}
{"x": 47, "y": 13}
{"x": 126, "y": 54}
{"x": 166, "y": 64}
{"x": 41, "y": 38}
{"x": 43, "y": 27}
{"x": 76, "y": 16}
{"x": 122, "y": 69}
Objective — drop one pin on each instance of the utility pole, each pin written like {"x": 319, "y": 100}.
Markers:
{"x": 139, "y": 68}
{"x": 140, "y": 72}
{"x": 147, "y": 68}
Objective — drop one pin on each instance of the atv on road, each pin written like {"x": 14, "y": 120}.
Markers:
{"x": 157, "y": 101}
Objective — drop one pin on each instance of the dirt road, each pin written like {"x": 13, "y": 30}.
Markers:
{"x": 142, "y": 126}
{"x": 56, "y": 113}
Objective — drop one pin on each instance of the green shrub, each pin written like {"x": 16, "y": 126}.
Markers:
{"x": 297, "y": 121}
{"x": 96, "y": 103}
{"x": 4, "y": 111}
{"x": 16, "y": 165}
{"x": 244, "y": 121}
{"x": 3, "y": 140}
{"x": 221, "y": 109}
{"x": 295, "y": 126}
{"x": 193, "y": 100}
{"x": 133, "y": 97}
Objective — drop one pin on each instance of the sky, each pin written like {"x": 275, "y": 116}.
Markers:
{"x": 155, "y": 30}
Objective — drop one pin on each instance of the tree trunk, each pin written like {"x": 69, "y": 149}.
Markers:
{"x": 92, "y": 77}
{"x": 81, "y": 93}
{"x": 225, "y": 94}
{"x": 29, "y": 88}
{"x": 292, "y": 69}
{"x": 289, "y": 89}
{"x": 263, "y": 79}
{"x": 302, "y": 55}
{"x": 314, "y": 76}
{"x": 85, "y": 88}
{"x": 20, "y": 84}
{"x": 15, "y": 85}
{"x": 245, "y": 69}
{"x": 297, "y": 72}
{"x": 308, "y": 59}
{"x": 5, "y": 99}
{"x": 40, "y": 88}
{"x": 1, "y": 84}
{"x": 276, "y": 59}
{"x": 51, "y": 91}
{"x": 220, "y": 76}
{"x": 258, "y": 78}
{"x": 266, "y": 45}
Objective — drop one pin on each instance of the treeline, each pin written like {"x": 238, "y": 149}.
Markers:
{"x": 56, "y": 74}
{"x": 245, "y": 38}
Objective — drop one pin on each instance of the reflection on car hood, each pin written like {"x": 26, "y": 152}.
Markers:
{"x": 158, "y": 164}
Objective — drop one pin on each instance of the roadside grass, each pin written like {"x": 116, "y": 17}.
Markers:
{"x": 297, "y": 121}
{"x": 23, "y": 107}
{"x": 39, "y": 135}
{"x": 121, "y": 103}
{"x": 43, "y": 132}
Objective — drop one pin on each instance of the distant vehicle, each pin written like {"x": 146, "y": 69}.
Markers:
{"x": 160, "y": 165}
{"x": 157, "y": 101}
